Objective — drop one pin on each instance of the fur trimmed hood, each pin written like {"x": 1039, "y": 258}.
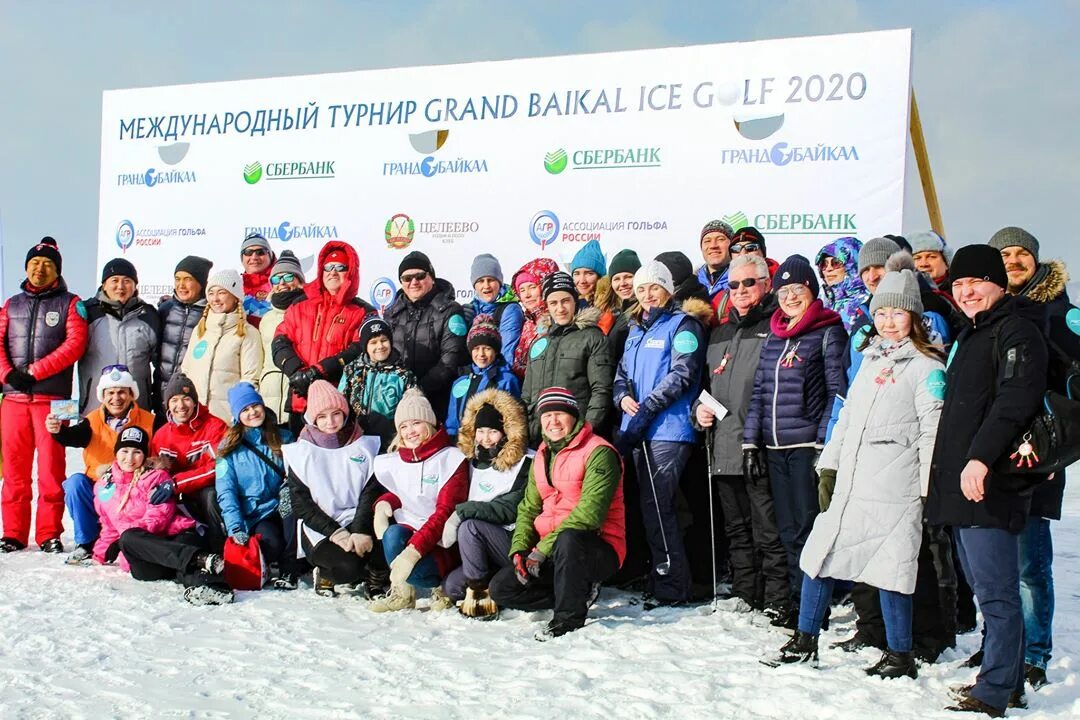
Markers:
{"x": 698, "y": 309}
{"x": 516, "y": 430}
{"x": 1049, "y": 282}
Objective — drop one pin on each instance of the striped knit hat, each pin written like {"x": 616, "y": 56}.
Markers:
{"x": 558, "y": 399}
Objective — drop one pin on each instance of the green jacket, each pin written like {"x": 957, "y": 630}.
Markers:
{"x": 603, "y": 474}
{"x": 577, "y": 357}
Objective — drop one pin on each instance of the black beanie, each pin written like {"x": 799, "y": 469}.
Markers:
{"x": 197, "y": 267}
{"x": 979, "y": 261}
{"x": 796, "y": 270}
{"x": 488, "y": 417}
{"x": 180, "y": 384}
{"x": 416, "y": 260}
{"x": 559, "y": 282}
{"x": 49, "y": 250}
{"x": 749, "y": 234}
{"x": 135, "y": 437}
{"x": 121, "y": 267}
{"x": 677, "y": 264}
{"x": 374, "y": 327}
{"x": 901, "y": 241}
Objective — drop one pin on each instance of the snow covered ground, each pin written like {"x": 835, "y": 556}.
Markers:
{"x": 93, "y": 643}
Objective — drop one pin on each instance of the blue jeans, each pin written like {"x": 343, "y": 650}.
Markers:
{"x": 990, "y": 559}
{"x": 896, "y": 610}
{"x": 1037, "y": 591}
{"x": 79, "y": 499}
{"x": 426, "y": 572}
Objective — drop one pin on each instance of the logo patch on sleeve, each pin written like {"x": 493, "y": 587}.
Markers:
{"x": 935, "y": 384}
{"x": 456, "y": 325}
{"x": 686, "y": 342}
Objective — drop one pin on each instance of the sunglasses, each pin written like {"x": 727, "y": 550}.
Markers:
{"x": 282, "y": 278}
{"x": 747, "y": 283}
{"x": 110, "y": 368}
{"x": 831, "y": 263}
{"x": 258, "y": 252}
{"x": 335, "y": 267}
{"x": 742, "y": 247}
{"x": 415, "y": 277}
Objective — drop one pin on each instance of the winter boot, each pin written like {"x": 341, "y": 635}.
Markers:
{"x": 209, "y": 563}
{"x": 478, "y": 603}
{"x": 787, "y": 618}
{"x": 555, "y": 629}
{"x": 1036, "y": 677}
{"x": 52, "y": 546}
{"x": 975, "y": 660}
{"x": 323, "y": 585}
{"x": 285, "y": 581}
{"x": 208, "y": 595}
{"x": 801, "y": 648}
{"x": 967, "y": 703}
{"x": 1017, "y": 700}
{"x": 894, "y": 665}
{"x": 10, "y": 545}
{"x": 83, "y": 555}
{"x": 852, "y": 644}
{"x": 377, "y": 583}
{"x": 439, "y": 600}
{"x": 400, "y": 597}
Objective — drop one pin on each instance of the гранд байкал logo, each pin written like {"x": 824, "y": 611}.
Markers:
{"x": 427, "y": 143}
{"x": 286, "y": 231}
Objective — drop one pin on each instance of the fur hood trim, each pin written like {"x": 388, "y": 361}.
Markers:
{"x": 514, "y": 425}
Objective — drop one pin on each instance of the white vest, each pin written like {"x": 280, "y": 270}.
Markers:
{"x": 487, "y": 484}
{"x": 417, "y": 485}
{"x": 335, "y": 477}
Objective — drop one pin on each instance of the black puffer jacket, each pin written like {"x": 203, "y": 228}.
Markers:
{"x": 178, "y": 319}
{"x": 987, "y": 404}
{"x": 430, "y": 335}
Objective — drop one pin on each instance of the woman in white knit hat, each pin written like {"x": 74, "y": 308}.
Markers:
{"x": 416, "y": 488}
{"x": 875, "y": 471}
{"x": 225, "y": 348}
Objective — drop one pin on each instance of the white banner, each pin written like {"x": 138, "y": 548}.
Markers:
{"x": 804, "y": 138}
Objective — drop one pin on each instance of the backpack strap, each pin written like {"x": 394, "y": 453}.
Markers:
{"x": 265, "y": 458}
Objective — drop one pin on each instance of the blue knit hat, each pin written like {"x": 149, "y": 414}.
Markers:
{"x": 796, "y": 270}
{"x": 590, "y": 257}
{"x": 242, "y": 395}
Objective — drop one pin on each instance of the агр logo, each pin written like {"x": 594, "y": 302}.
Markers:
{"x": 382, "y": 293}
{"x": 125, "y": 235}
{"x": 544, "y": 228}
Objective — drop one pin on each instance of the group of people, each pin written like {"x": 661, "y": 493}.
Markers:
{"x": 551, "y": 435}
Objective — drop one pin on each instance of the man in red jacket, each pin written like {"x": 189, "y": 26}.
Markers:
{"x": 186, "y": 446}
{"x": 42, "y": 335}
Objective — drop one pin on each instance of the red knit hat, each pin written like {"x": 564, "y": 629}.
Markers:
{"x": 323, "y": 397}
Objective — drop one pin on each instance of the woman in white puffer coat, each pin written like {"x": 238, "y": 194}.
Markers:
{"x": 879, "y": 460}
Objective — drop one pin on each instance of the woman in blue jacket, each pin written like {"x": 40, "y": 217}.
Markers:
{"x": 800, "y": 371}
{"x": 249, "y": 476}
{"x": 655, "y": 387}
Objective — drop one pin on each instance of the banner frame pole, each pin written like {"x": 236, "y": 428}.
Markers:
{"x": 926, "y": 175}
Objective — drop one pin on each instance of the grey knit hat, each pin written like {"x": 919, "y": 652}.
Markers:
{"x": 717, "y": 226}
{"x": 898, "y": 290}
{"x": 876, "y": 252}
{"x": 1015, "y": 237}
{"x": 485, "y": 265}
{"x": 288, "y": 263}
{"x": 926, "y": 241}
{"x": 255, "y": 240}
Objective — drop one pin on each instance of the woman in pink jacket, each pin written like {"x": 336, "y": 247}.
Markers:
{"x": 153, "y": 542}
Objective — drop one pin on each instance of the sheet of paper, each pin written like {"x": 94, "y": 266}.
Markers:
{"x": 713, "y": 404}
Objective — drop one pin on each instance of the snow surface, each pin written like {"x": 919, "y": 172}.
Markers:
{"x": 94, "y": 643}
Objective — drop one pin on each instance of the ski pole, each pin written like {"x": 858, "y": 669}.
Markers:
{"x": 665, "y": 567}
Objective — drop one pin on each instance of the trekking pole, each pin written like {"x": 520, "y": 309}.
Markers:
{"x": 665, "y": 567}
{"x": 712, "y": 515}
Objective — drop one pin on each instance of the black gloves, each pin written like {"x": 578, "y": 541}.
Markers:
{"x": 753, "y": 466}
{"x": 302, "y": 379}
{"x": 21, "y": 380}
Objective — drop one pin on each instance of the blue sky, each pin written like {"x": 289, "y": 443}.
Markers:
{"x": 996, "y": 83}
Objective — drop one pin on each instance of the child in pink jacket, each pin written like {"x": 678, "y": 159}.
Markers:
{"x": 153, "y": 542}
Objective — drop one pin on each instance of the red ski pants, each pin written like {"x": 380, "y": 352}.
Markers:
{"x": 22, "y": 432}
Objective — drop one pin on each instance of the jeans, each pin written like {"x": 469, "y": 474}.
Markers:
{"x": 426, "y": 572}
{"x": 990, "y": 558}
{"x": 1037, "y": 591}
{"x": 794, "y": 490}
{"x": 896, "y": 608}
{"x": 79, "y": 498}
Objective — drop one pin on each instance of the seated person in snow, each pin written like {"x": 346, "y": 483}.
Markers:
{"x": 186, "y": 446}
{"x": 96, "y": 434}
{"x": 417, "y": 485}
{"x": 153, "y": 542}
{"x": 570, "y": 533}
{"x": 328, "y": 468}
{"x": 495, "y": 437}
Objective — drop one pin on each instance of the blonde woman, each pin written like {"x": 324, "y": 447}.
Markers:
{"x": 225, "y": 348}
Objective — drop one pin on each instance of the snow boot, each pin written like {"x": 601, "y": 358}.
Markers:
{"x": 787, "y": 618}
{"x": 285, "y": 581}
{"x": 210, "y": 563}
{"x": 439, "y": 600}
{"x": 852, "y": 644}
{"x": 52, "y": 546}
{"x": 208, "y": 595}
{"x": 555, "y": 629}
{"x": 1017, "y": 700}
{"x": 323, "y": 586}
{"x": 894, "y": 665}
{"x": 1036, "y": 677}
{"x": 801, "y": 648}
{"x": 478, "y": 603}
{"x": 399, "y": 598}
{"x": 377, "y": 583}
{"x": 82, "y": 555}
{"x": 973, "y": 705}
{"x": 10, "y": 545}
